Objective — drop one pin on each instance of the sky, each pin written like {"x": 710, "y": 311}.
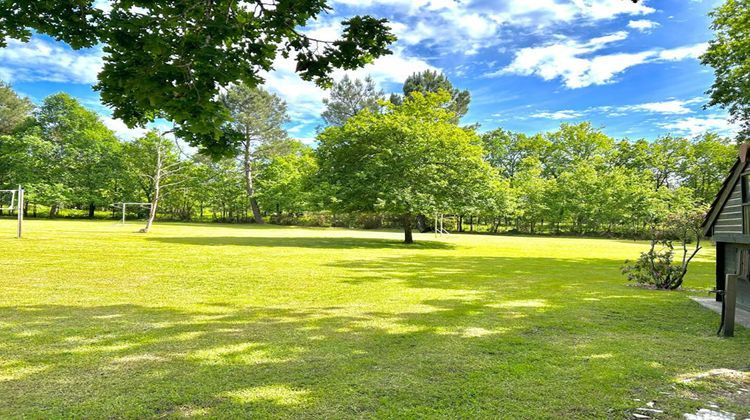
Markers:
{"x": 630, "y": 69}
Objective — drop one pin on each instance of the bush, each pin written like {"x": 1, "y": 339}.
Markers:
{"x": 656, "y": 267}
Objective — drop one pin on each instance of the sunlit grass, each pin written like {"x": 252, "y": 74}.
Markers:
{"x": 97, "y": 320}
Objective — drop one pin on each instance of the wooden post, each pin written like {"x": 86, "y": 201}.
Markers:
{"x": 720, "y": 268}
{"x": 123, "y": 213}
{"x": 20, "y": 212}
{"x": 730, "y": 301}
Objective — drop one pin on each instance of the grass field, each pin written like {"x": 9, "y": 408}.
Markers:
{"x": 226, "y": 321}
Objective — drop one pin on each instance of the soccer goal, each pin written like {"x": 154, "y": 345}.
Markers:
{"x": 439, "y": 227}
{"x": 13, "y": 200}
{"x": 124, "y": 208}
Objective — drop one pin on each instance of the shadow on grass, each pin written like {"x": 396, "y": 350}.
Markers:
{"x": 302, "y": 242}
{"x": 499, "y": 274}
{"x": 519, "y": 355}
{"x": 484, "y": 337}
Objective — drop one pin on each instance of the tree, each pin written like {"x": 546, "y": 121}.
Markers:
{"x": 257, "y": 116}
{"x": 85, "y": 153}
{"x": 668, "y": 160}
{"x": 729, "y": 55}
{"x": 284, "y": 183}
{"x": 506, "y": 150}
{"x": 433, "y": 81}
{"x": 709, "y": 161}
{"x": 574, "y": 143}
{"x": 657, "y": 267}
{"x": 14, "y": 110}
{"x": 157, "y": 162}
{"x": 408, "y": 159}
{"x": 348, "y": 97}
{"x": 170, "y": 59}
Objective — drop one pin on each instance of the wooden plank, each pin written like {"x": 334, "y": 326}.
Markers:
{"x": 729, "y": 222}
{"x": 731, "y": 237}
{"x": 731, "y": 214}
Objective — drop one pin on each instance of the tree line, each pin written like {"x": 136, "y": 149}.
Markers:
{"x": 379, "y": 162}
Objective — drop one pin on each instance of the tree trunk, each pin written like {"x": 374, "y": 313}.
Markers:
{"x": 53, "y": 211}
{"x": 256, "y": 211}
{"x": 249, "y": 187}
{"x": 92, "y": 210}
{"x": 408, "y": 239}
{"x": 156, "y": 192}
{"x": 152, "y": 210}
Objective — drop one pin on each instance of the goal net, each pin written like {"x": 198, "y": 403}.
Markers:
{"x": 123, "y": 207}
{"x": 8, "y": 200}
{"x": 13, "y": 200}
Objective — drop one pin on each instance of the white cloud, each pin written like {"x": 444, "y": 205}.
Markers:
{"x": 682, "y": 53}
{"x": 573, "y": 61}
{"x": 558, "y": 115}
{"x": 643, "y": 25}
{"x": 668, "y": 107}
{"x": 674, "y": 107}
{"x": 466, "y": 27}
{"x": 121, "y": 129}
{"x": 305, "y": 99}
{"x": 39, "y": 60}
{"x": 695, "y": 126}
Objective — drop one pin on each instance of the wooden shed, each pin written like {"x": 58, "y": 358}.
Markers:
{"x": 727, "y": 224}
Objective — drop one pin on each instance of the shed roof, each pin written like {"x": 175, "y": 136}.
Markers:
{"x": 726, "y": 188}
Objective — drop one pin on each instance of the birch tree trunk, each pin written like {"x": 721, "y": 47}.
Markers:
{"x": 157, "y": 189}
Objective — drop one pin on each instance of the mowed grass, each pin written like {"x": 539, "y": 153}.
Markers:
{"x": 227, "y": 321}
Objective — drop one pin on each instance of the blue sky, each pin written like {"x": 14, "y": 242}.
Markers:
{"x": 631, "y": 69}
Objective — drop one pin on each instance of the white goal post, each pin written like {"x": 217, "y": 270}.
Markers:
{"x": 439, "y": 228}
{"x": 124, "y": 207}
{"x": 16, "y": 203}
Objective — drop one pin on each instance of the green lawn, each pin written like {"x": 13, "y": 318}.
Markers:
{"x": 99, "y": 321}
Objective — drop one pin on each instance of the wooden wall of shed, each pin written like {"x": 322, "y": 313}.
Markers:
{"x": 730, "y": 218}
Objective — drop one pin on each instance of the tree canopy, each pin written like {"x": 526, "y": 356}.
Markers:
{"x": 433, "y": 81}
{"x": 410, "y": 159}
{"x": 729, "y": 55}
{"x": 349, "y": 97}
{"x": 14, "y": 110}
{"x": 170, "y": 59}
{"x": 257, "y": 117}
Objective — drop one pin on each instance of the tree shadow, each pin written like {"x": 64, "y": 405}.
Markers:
{"x": 527, "y": 351}
{"x": 303, "y": 242}
{"x": 497, "y": 274}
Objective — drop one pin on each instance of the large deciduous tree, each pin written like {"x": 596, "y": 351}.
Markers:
{"x": 85, "y": 154}
{"x": 348, "y": 98}
{"x": 170, "y": 59}
{"x": 258, "y": 117}
{"x": 729, "y": 55}
{"x": 14, "y": 110}
{"x": 407, "y": 160}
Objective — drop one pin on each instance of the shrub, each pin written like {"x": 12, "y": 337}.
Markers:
{"x": 657, "y": 266}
